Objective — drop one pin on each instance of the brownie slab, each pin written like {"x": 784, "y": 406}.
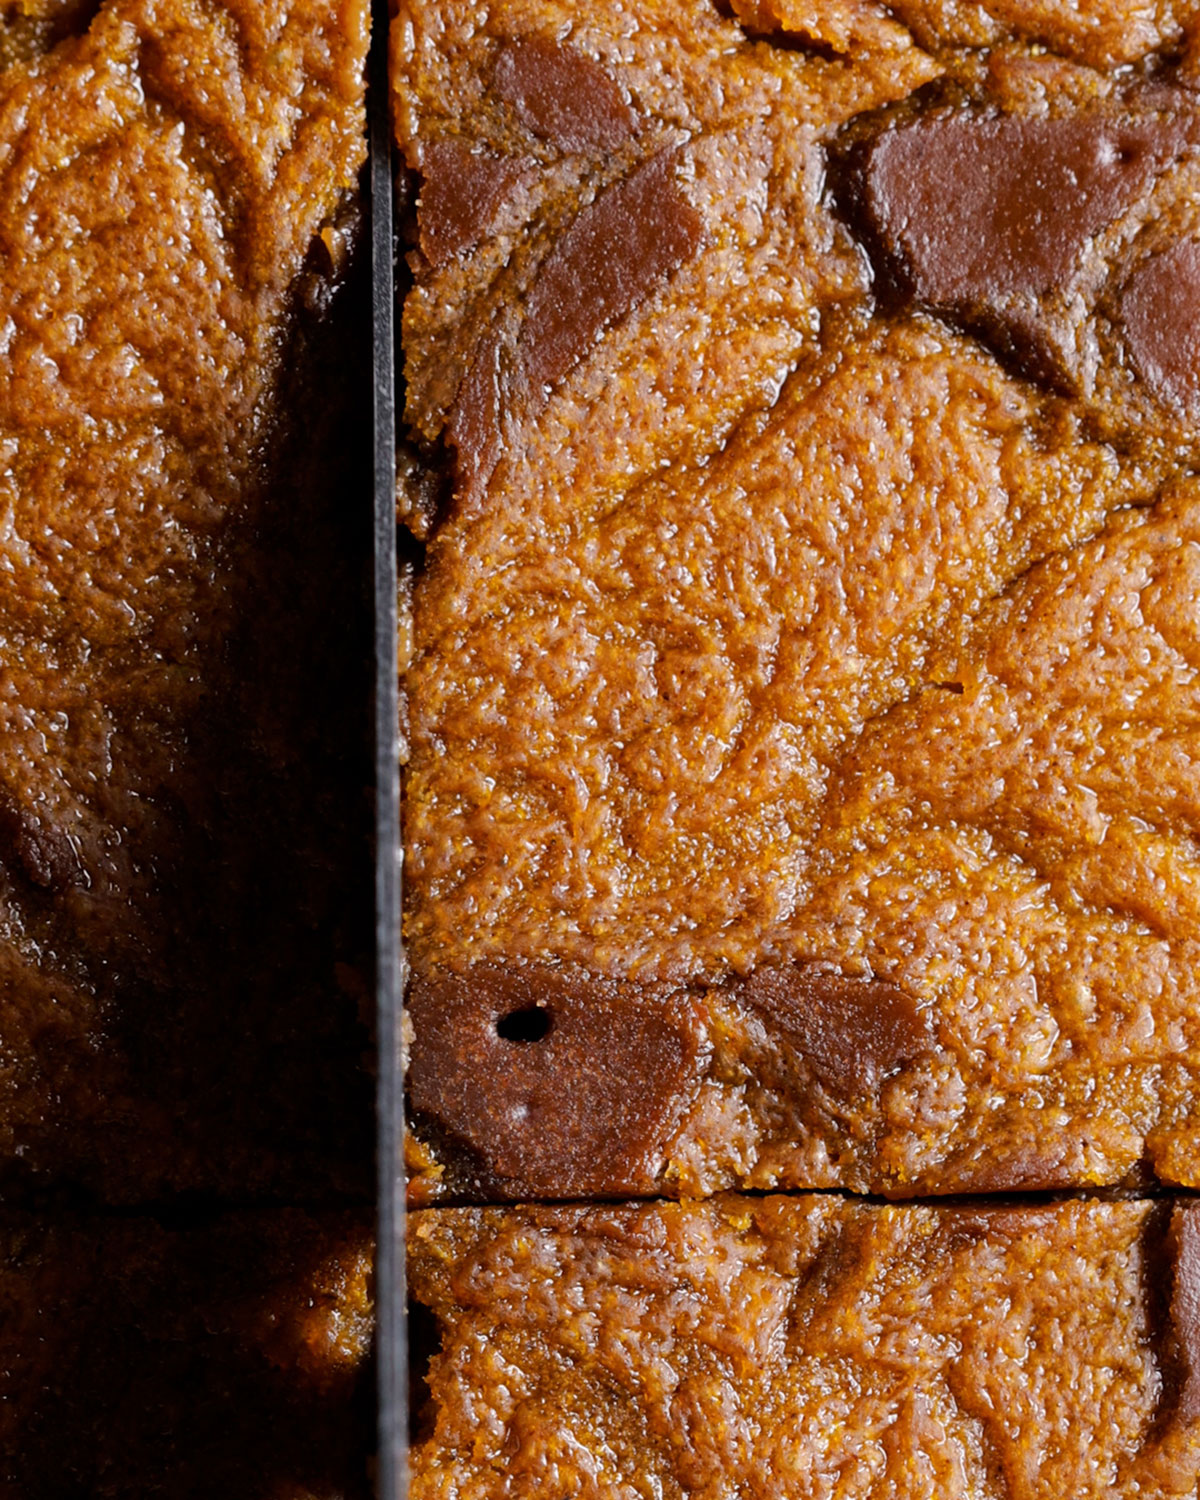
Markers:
{"x": 183, "y": 939}
{"x": 219, "y": 1358}
{"x": 804, "y": 1347}
{"x": 803, "y": 697}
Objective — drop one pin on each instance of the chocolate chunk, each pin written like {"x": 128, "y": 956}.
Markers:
{"x": 1161, "y": 313}
{"x": 563, "y": 96}
{"x": 852, "y": 1032}
{"x": 1185, "y": 1306}
{"x": 961, "y": 1225}
{"x": 462, "y": 190}
{"x": 984, "y": 217}
{"x": 43, "y": 854}
{"x": 1010, "y": 1169}
{"x": 607, "y": 262}
{"x": 473, "y": 427}
{"x": 559, "y": 1083}
{"x": 976, "y": 206}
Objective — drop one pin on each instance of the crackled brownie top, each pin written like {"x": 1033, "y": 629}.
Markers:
{"x": 804, "y": 692}
{"x": 177, "y": 203}
{"x": 807, "y": 1347}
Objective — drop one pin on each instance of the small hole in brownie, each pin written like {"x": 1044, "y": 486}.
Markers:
{"x": 1119, "y": 153}
{"x": 531, "y": 1024}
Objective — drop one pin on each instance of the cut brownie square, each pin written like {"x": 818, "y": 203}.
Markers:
{"x": 803, "y": 706}
{"x": 184, "y": 944}
{"x": 807, "y": 1347}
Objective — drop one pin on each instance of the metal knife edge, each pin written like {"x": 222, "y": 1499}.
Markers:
{"x": 390, "y": 1297}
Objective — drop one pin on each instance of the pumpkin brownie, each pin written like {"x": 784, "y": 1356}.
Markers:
{"x": 223, "y": 1358}
{"x": 804, "y": 1347}
{"x": 803, "y": 700}
{"x": 181, "y": 961}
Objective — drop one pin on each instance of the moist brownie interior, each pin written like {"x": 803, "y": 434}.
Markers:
{"x": 801, "y": 409}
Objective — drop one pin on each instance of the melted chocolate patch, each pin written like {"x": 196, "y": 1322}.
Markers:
{"x": 1014, "y": 1172}
{"x": 560, "y": 1084}
{"x": 462, "y": 190}
{"x": 1185, "y": 1306}
{"x": 965, "y": 1226}
{"x": 610, "y": 259}
{"x": 975, "y": 206}
{"x": 1161, "y": 313}
{"x": 473, "y": 427}
{"x": 563, "y": 96}
{"x": 982, "y": 217}
{"x": 851, "y": 1032}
